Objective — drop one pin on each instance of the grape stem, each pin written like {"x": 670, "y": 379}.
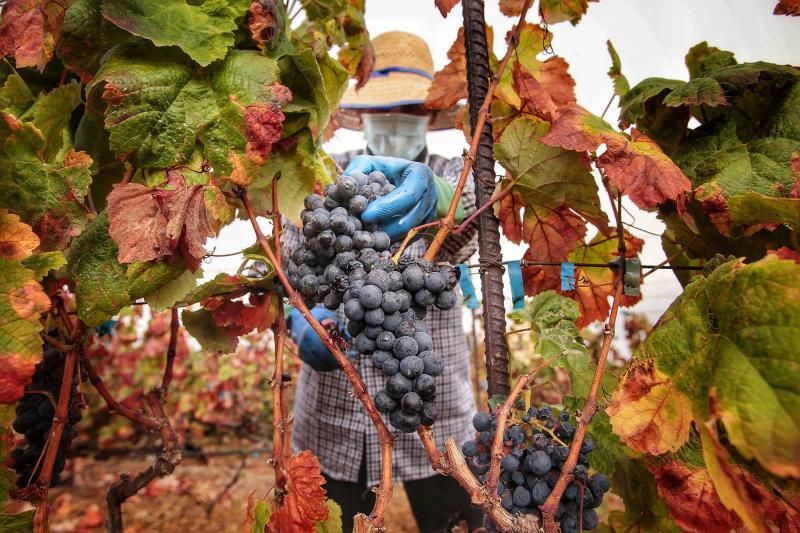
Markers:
{"x": 589, "y": 409}
{"x": 384, "y": 490}
{"x": 281, "y": 424}
{"x": 54, "y": 439}
{"x": 114, "y": 407}
{"x": 447, "y": 223}
{"x": 496, "y": 197}
{"x": 502, "y": 417}
{"x": 174, "y": 324}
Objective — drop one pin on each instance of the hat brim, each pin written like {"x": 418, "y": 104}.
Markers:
{"x": 385, "y": 92}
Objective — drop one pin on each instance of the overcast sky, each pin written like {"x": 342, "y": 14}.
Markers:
{"x": 651, "y": 37}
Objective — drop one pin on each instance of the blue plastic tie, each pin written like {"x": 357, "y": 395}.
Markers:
{"x": 517, "y": 287}
{"x": 467, "y": 288}
{"x": 567, "y": 276}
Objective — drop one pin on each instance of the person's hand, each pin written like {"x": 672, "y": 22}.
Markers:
{"x": 310, "y": 347}
{"x": 411, "y": 204}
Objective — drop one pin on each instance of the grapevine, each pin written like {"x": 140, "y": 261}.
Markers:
{"x": 131, "y": 134}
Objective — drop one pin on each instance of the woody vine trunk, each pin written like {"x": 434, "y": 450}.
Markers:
{"x": 489, "y": 253}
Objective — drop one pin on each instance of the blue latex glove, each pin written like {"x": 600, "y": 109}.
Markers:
{"x": 312, "y": 350}
{"x": 412, "y": 203}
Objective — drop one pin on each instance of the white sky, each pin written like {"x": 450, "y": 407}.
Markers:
{"x": 651, "y": 37}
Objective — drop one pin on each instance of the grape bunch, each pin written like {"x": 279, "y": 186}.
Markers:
{"x": 532, "y": 465}
{"x": 346, "y": 261}
{"x": 35, "y": 412}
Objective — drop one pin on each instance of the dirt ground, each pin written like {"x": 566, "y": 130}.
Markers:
{"x": 192, "y": 499}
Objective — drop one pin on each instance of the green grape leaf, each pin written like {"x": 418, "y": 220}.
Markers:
{"x": 621, "y": 86}
{"x": 101, "y": 285}
{"x": 167, "y": 295}
{"x": 702, "y": 58}
{"x": 15, "y": 95}
{"x": 51, "y": 112}
{"x": 47, "y": 193}
{"x": 42, "y": 264}
{"x": 232, "y": 109}
{"x": 332, "y": 524}
{"x": 22, "y": 301}
{"x": 86, "y": 37}
{"x": 727, "y": 344}
{"x": 552, "y": 319}
{"x": 17, "y": 523}
{"x": 546, "y": 176}
{"x": 145, "y": 278}
{"x": 204, "y": 30}
{"x": 230, "y": 285}
{"x": 213, "y": 338}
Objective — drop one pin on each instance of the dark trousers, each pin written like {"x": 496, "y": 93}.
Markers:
{"x": 438, "y": 502}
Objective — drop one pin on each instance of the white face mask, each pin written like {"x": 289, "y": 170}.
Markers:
{"x": 395, "y": 134}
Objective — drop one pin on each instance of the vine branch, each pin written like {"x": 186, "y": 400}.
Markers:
{"x": 384, "y": 491}
{"x": 589, "y": 409}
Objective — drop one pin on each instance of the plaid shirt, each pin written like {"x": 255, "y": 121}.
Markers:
{"x": 333, "y": 424}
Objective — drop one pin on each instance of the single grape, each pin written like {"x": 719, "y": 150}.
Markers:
{"x": 398, "y": 385}
{"x": 372, "y": 331}
{"x": 510, "y": 463}
{"x": 363, "y": 239}
{"x": 370, "y": 297}
{"x": 381, "y": 241}
{"x": 364, "y": 344}
{"x": 391, "y": 366}
{"x": 424, "y": 341}
{"x": 446, "y": 300}
{"x": 353, "y": 310}
{"x": 425, "y": 386}
{"x": 411, "y": 401}
{"x": 392, "y": 321}
{"x": 590, "y": 519}
{"x": 413, "y": 278}
{"x": 429, "y": 413}
{"x": 433, "y": 362}
{"x": 538, "y": 463}
{"x": 385, "y": 340}
{"x": 540, "y": 491}
{"x": 405, "y": 329}
{"x": 384, "y": 403}
{"x": 358, "y": 204}
{"x": 404, "y": 421}
{"x": 309, "y": 285}
{"x": 312, "y": 201}
{"x": 470, "y": 449}
{"x": 391, "y": 302}
{"x": 482, "y": 421}
{"x": 521, "y": 497}
{"x": 374, "y": 317}
{"x": 405, "y": 347}
{"x": 380, "y": 279}
{"x": 411, "y": 366}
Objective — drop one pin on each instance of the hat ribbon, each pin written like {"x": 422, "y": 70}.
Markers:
{"x": 388, "y": 70}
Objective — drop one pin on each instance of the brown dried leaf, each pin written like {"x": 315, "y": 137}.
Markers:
{"x": 265, "y": 124}
{"x": 152, "y": 223}
{"x": 551, "y": 236}
{"x": 450, "y": 84}
{"x": 30, "y": 29}
{"x": 788, "y": 8}
{"x": 263, "y": 21}
{"x": 444, "y": 6}
{"x": 304, "y": 502}
{"x": 647, "y": 412}
{"x": 511, "y": 8}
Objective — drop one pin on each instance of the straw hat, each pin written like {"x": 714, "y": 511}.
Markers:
{"x": 402, "y": 76}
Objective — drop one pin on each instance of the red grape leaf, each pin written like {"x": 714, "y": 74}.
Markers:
{"x": 450, "y": 84}
{"x": 637, "y": 166}
{"x": 152, "y": 223}
{"x": 510, "y": 216}
{"x": 264, "y": 126}
{"x": 689, "y": 487}
{"x": 551, "y": 235}
{"x": 242, "y": 318}
{"x": 554, "y": 77}
{"x": 533, "y": 97}
{"x": 647, "y": 412}
{"x": 30, "y": 29}
{"x": 444, "y": 6}
{"x": 304, "y": 502}
{"x": 787, "y": 253}
{"x": 788, "y": 8}
{"x": 511, "y": 8}
{"x": 263, "y": 21}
